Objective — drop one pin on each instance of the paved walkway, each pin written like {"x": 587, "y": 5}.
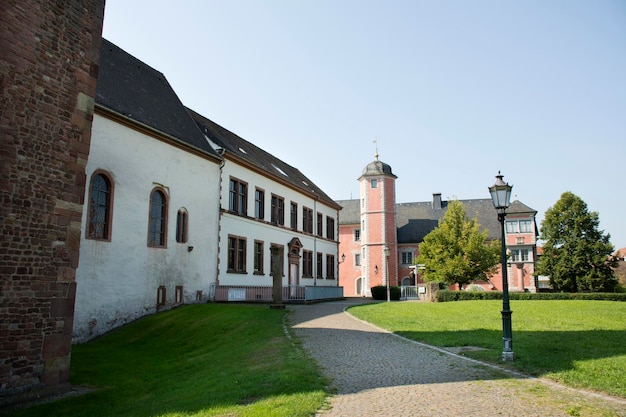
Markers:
{"x": 376, "y": 373}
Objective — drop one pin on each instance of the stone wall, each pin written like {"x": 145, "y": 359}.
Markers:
{"x": 49, "y": 53}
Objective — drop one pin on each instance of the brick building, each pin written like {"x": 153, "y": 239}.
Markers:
{"x": 49, "y": 54}
{"x": 375, "y": 221}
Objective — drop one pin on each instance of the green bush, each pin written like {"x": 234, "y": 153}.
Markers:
{"x": 447, "y": 295}
{"x": 380, "y": 292}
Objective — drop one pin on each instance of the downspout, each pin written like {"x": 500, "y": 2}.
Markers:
{"x": 336, "y": 231}
{"x": 317, "y": 197}
{"x": 220, "y": 152}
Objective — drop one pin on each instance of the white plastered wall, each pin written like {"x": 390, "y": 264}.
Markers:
{"x": 253, "y": 229}
{"x": 117, "y": 281}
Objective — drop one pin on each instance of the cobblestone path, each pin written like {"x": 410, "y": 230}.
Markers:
{"x": 376, "y": 373}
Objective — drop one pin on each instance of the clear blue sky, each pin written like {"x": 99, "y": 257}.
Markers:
{"x": 452, "y": 91}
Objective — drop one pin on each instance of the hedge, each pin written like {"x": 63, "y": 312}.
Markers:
{"x": 380, "y": 292}
{"x": 447, "y": 295}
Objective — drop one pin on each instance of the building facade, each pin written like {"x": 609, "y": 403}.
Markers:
{"x": 150, "y": 223}
{"x": 375, "y": 221}
{"x": 266, "y": 203}
{"x": 180, "y": 210}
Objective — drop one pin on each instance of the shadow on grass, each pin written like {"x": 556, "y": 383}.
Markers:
{"x": 360, "y": 357}
{"x": 536, "y": 352}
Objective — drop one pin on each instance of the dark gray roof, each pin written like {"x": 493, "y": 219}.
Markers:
{"x": 377, "y": 168}
{"x": 137, "y": 91}
{"x": 415, "y": 220}
{"x": 263, "y": 161}
{"x": 517, "y": 207}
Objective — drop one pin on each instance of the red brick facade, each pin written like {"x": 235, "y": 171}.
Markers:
{"x": 49, "y": 55}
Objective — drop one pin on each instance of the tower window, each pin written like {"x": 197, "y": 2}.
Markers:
{"x": 374, "y": 183}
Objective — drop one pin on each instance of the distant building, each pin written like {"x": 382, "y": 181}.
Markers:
{"x": 376, "y": 221}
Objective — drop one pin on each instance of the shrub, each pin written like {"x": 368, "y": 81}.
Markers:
{"x": 447, "y": 295}
{"x": 379, "y": 292}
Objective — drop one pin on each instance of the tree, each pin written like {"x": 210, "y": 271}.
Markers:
{"x": 576, "y": 255}
{"x": 456, "y": 251}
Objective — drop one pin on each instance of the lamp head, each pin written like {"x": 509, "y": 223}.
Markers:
{"x": 500, "y": 193}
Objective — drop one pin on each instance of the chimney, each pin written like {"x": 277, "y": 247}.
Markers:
{"x": 436, "y": 201}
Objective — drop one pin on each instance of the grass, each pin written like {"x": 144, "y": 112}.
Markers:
{"x": 578, "y": 343}
{"x": 198, "y": 360}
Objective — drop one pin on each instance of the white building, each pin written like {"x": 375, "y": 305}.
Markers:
{"x": 150, "y": 222}
{"x": 267, "y": 203}
{"x": 180, "y": 210}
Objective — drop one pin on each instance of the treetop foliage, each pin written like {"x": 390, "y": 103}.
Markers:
{"x": 456, "y": 251}
{"x": 577, "y": 256}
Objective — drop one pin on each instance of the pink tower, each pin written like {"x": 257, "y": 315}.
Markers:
{"x": 378, "y": 226}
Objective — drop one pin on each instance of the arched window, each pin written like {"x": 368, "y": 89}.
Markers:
{"x": 157, "y": 229}
{"x": 182, "y": 226}
{"x": 99, "y": 207}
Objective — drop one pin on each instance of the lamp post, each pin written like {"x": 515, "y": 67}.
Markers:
{"x": 386, "y": 249}
{"x": 501, "y": 197}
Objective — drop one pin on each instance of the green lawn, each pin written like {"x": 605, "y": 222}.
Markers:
{"x": 578, "y": 343}
{"x": 236, "y": 360}
{"x": 198, "y": 360}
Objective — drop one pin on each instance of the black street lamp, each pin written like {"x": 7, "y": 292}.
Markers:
{"x": 386, "y": 250}
{"x": 501, "y": 196}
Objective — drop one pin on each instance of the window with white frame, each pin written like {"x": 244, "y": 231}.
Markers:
{"x": 520, "y": 255}
{"x": 407, "y": 257}
{"x": 511, "y": 226}
{"x": 525, "y": 226}
{"x": 519, "y": 226}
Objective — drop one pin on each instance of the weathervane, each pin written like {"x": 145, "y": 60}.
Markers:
{"x": 376, "y": 143}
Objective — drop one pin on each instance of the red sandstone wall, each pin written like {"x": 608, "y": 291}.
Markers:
{"x": 49, "y": 54}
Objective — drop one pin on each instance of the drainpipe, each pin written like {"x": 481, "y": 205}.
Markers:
{"x": 317, "y": 197}
{"x": 219, "y": 220}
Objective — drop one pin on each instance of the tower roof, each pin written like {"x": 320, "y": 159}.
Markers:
{"x": 377, "y": 168}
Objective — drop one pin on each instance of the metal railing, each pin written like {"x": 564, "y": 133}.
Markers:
{"x": 411, "y": 293}
{"x": 263, "y": 294}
